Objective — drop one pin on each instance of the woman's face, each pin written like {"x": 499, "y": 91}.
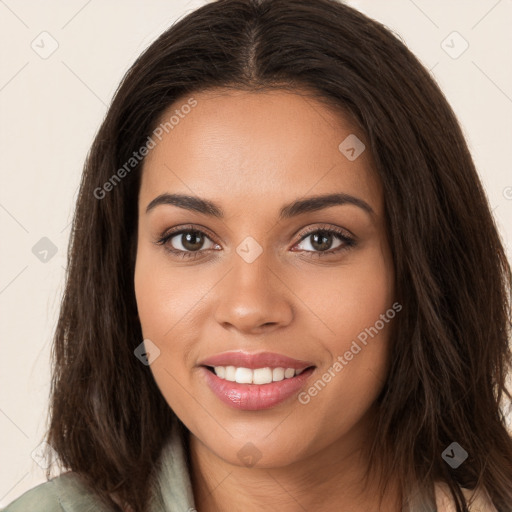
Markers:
{"x": 271, "y": 271}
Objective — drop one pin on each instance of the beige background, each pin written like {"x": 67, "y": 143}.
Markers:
{"x": 50, "y": 109}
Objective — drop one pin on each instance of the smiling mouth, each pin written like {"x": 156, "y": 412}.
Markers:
{"x": 257, "y": 376}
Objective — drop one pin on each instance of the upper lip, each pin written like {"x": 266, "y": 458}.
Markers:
{"x": 242, "y": 359}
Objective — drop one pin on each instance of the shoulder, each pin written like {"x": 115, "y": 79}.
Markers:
{"x": 477, "y": 499}
{"x": 65, "y": 493}
{"x": 40, "y": 498}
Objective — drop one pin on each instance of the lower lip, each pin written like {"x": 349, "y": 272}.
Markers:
{"x": 255, "y": 397}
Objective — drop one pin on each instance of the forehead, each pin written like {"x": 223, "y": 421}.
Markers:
{"x": 260, "y": 147}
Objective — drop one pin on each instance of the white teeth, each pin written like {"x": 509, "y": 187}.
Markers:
{"x": 289, "y": 372}
{"x": 230, "y": 373}
{"x": 243, "y": 376}
{"x": 257, "y": 376}
{"x": 261, "y": 376}
{"x": 277, "y": 374}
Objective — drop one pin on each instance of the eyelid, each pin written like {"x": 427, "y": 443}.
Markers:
{"x": 186, "y": 228}
{"x": 348, "y": 239}
{"x": 305, "y": 232}
{"x": 326, "y": 227}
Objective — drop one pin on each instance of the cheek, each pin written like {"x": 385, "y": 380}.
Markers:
{"x": 162, "y": 307}
{"x": 168, "y": 302}
{"x": 356, "y": 305}
{"x": 351, "y": 297}
{"x": 164, "y": 295}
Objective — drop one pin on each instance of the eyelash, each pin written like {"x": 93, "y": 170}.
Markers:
{"x": 347, "y": 241}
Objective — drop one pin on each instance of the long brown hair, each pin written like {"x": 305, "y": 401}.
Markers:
{"x": 450, "y": 355}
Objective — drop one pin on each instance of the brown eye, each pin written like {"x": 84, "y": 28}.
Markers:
{"x": 321, "y": 241}
{"x": 191, "y": 240}
{"x": 190, "y": 243}
{"x": 187, "y": 240}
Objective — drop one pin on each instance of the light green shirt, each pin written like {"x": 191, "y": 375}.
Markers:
{"x": 65, "y": 493}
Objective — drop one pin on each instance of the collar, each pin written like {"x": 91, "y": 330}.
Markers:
{"x": 172, "y": 489}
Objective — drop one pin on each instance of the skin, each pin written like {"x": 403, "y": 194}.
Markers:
{"x": 252, "y": 153}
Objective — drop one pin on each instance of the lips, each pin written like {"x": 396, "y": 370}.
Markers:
{"x": 259, "y": 393}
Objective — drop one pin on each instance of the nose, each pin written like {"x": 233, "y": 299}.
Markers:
{"x": 253, "y": 298}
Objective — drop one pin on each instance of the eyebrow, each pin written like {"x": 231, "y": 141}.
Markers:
{"x": 290, "y": 210}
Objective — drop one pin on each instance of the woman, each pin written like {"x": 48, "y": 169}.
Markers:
{"x": 285, "y": 286}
